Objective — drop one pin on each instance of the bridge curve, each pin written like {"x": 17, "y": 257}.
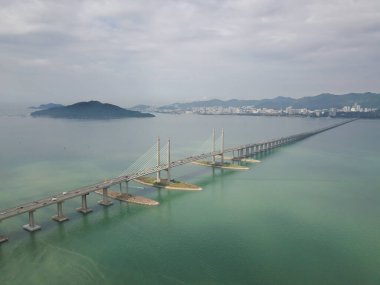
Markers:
{"x": 58, "y": 199}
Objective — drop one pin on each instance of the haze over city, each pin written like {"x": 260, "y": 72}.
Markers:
{"x": 158, "y": 52}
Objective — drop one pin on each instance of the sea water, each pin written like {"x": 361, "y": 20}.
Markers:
{"x": 309, "y": 213}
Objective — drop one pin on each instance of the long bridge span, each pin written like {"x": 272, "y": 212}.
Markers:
{"x": 238, "y": 152}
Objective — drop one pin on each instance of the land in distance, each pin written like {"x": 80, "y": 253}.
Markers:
{"x": 321, "y": 101}
{"x": 90, "y": 110}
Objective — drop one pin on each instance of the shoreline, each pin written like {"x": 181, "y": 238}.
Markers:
{"x": 168, "y": 185}
{"x": 223, "y": 166}
{"x": 129, "y": 198}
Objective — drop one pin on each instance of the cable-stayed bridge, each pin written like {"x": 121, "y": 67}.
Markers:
{"x": 156, "y": 160}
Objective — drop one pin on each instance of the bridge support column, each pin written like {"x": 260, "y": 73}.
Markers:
{"x": 31, "y": 227}
{"x": 83, "y": 209}
{"x": 60, "y": 217}
{"x": 3, "y": 238}
{"x": 105, "y": 201}
{"x": 126, "y": 187}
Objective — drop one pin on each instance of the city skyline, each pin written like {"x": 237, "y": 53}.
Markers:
{"x": 158, "y": 52}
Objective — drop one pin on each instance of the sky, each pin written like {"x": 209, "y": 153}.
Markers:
{"x": 164, "y": 51}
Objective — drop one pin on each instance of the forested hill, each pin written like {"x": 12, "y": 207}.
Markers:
{"x": 90, "y": 110}
{"x": 322, "y": 101}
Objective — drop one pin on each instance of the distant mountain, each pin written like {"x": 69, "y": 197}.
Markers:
{"x": 89, "y": 110}
{"x": 366, "y": 100}
{"x": 322, "y": 101}
{"x": 142, "y": 108}
{"x": 209, "y": 103}
{"x": 46, "y": 106}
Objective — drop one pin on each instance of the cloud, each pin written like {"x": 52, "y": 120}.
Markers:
{"x": 170, "y": 50}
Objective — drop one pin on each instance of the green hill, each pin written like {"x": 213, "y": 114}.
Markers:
{"x": 90, "y": 110}
{"x": 322, "y": 101}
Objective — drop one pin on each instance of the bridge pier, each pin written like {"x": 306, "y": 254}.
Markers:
{"x": 105, "y": 201}
{"x": 3, "y": 238}
{"x": 31, "y": 227}
{"x": 83, "y": 209}
{"x": 60, "y": 217}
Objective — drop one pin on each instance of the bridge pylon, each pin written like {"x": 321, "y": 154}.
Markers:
{"x": 164, "y": 149}
{"x": 219, "y": 153}
{"x": 158, "y": 176}
{"x": 222, "y": 147}
{"x": 168, "y": 160}
{"x": 213, "y": 145}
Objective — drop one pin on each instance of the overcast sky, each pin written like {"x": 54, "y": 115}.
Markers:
{"x": 164, "y": 51}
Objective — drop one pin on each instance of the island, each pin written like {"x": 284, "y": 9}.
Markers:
{"x": 90, "y": 110}
{"x": 46, "y": 106}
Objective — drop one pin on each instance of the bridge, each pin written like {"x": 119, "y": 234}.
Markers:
{"x": 143, "y": 167}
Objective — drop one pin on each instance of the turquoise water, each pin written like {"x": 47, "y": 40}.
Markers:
{"x": 307, "y": 214}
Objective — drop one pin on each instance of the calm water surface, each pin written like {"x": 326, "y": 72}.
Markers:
{"x": 308, "y": 214}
